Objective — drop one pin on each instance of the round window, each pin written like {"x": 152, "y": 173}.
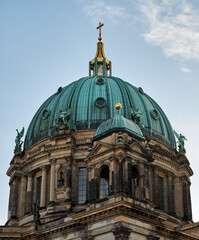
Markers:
{"x": 154, "y": 114}
{"x": 45, "y": 114}
{"x": 100, "y": 81}
{"x": 100, "y": 102}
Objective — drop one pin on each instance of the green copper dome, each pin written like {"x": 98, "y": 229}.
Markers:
{"x": 90, "y": 101}
{"x": 118, "y": 124}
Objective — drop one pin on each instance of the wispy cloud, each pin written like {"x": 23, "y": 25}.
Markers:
{"x": 185, "y": 69}
{"x": 99, "y": 9}
{"x": 173, "y": 25}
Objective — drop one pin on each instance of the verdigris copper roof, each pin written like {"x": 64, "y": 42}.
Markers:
{"x": 118, "y": 124}
{"x": 90, "y": 101}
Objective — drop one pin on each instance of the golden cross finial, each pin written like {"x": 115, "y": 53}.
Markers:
{"x": 99, "y": 27}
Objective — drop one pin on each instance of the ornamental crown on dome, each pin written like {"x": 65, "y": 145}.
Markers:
{"x": 100, "y": 66}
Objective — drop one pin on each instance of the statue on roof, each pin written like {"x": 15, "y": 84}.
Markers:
{"x": 63, "y": 118}
{"x": 18, "y": 141}
{"x": 180, "y": 141}
{"x": 136, "y": 114}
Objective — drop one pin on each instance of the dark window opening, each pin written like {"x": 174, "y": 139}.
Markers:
{"x": 104, "y": 182}
{"x": 38, "y": 191}
{"x": 135, "y": 182}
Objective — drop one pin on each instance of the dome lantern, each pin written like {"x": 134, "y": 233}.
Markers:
{"x": 100, "y": 65}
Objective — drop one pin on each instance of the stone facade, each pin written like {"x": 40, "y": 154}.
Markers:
{"x": 148, "y": 191}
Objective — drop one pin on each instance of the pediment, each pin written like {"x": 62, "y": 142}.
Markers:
{"x": 100, "y": 148}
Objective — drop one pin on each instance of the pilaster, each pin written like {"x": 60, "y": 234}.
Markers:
{"x": 171, "y": 194}
{"x": 22, "y": 196}
{"x": 14, "y": 197}
{"x": 52, "y": 180}
{"x": 28, "y": 207}
{"x": 43, "y": 187}
{"x": 178, "y": 197}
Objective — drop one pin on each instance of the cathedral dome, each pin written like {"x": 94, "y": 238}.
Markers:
{"x": 90, "y": 101}
{"x": 118, "y": 124}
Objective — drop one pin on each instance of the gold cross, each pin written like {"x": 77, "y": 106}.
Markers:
{"x": 99, "y": 27}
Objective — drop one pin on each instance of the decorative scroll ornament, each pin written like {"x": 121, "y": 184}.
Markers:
{"x": 18, "y": 141}
{"x": 180, "y": 141}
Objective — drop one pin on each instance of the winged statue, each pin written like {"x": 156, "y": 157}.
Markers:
{"x": 180, "y": 141}
{"x": 136, "y": 115}
{"x": 62, "y": 119}
{"x": 18, "y": 141}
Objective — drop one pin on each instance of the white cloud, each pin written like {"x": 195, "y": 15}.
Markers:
{"x": 97, "y": 10}
{"x": 185, "y": 70}
{"x": 173, "y": 25}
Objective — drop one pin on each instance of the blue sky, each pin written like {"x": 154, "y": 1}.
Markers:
{"x": 45, "y": 44}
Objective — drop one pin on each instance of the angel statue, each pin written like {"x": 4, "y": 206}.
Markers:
{"x": 18, "y": 141}
{"x": 136, "y": 115}
{"x": 62, "y": 119}
{"x": 180, "y": 142}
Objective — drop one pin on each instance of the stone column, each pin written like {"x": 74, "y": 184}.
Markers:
{"x": 52, "y": 181}
{"x": 43, "y": 188}
{"x": 10, "y": 200}
{"x": 121, "y": 233}
{"x": 186, "y": 198}
{"x": 111, "y": 177}
{"x": 28, "y": 208}
{"x": 68, "y": 180}
{"x": 74, "y": 183}
{"x": 156, "y": 189}
{"x": 171, "y": 194}
{"x": 129, "y": 178}
{"x": 22, "y": 196}
{"x": 178, "y": 197}
{"x": 14, "y": 202}
{"x": 151, "y": 184}
{"x": 142, "y": 186}
{"x": 165, "y": 183}
{"x": 92, "y": 184}
{"x": 189, "y": 200}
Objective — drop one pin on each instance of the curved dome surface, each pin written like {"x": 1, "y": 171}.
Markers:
{"x": 117, "y": 124}
{"x": 91, "y": 101}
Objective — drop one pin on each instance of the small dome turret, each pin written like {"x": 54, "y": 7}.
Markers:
{"x": 118, "y": 124}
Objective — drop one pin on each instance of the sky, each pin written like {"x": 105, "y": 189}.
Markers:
{"x": 45, "y": 44}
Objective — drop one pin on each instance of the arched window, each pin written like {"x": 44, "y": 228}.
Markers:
{"x": 104, "y": 182}
{"x": 135, "y": 182}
